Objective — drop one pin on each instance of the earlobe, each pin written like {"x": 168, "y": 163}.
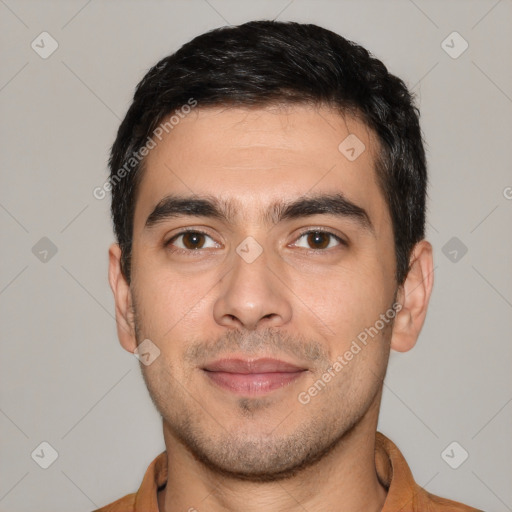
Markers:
{"x": 414, "y": 296}
{"x": 123, "y": 300}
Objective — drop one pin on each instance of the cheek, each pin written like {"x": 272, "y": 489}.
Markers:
{"x": 169, "y": 302}
{"x": 161, "y": 380}
{"x": 347, "y": 301}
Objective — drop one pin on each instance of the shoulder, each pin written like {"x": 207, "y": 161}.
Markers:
{"x": 404, "y": 493}
{"x": 431, "y": 503}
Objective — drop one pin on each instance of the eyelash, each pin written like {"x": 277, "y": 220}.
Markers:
{"x": 198, "y": 231}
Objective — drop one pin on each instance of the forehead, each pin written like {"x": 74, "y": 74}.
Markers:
{"x": 254, "y": 157}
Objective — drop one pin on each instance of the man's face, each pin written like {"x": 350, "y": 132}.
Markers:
{"x": 292, "y": 291}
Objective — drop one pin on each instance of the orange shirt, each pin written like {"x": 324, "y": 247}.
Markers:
{"x": 404, "y": 494}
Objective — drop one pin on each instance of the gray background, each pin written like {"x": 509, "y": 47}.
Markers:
{"x": 64, "y": 377}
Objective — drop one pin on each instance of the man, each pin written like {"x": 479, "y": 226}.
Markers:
{"x": 268, "y": 196}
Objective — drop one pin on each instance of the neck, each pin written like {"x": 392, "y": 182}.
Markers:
{"x": 345, "y": 480}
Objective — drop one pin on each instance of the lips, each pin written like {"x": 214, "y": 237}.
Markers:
{"x": 252, "y": 377}
{"x": 264, "y": 365}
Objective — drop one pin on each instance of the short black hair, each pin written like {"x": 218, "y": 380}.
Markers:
{"x": 261, "y": 63}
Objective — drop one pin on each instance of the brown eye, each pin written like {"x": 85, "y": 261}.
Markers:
{"x": 320, "y": 240}
{"x": 193, "y": 240}
{"x": 190, "y": 241}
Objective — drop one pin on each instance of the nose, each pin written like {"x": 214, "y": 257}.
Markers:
{"x": 252, "y": 296}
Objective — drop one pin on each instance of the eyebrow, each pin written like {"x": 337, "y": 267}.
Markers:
{"x": 337, "y": 205}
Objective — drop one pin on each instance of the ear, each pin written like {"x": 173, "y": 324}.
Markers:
{"x": 414, "y": 296}
{"x": 123, "y": 300}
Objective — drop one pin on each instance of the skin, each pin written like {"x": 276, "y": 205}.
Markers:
{"x": 229, "y": 452}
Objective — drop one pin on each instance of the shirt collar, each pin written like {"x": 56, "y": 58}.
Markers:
{"x": 392, "y": 471}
